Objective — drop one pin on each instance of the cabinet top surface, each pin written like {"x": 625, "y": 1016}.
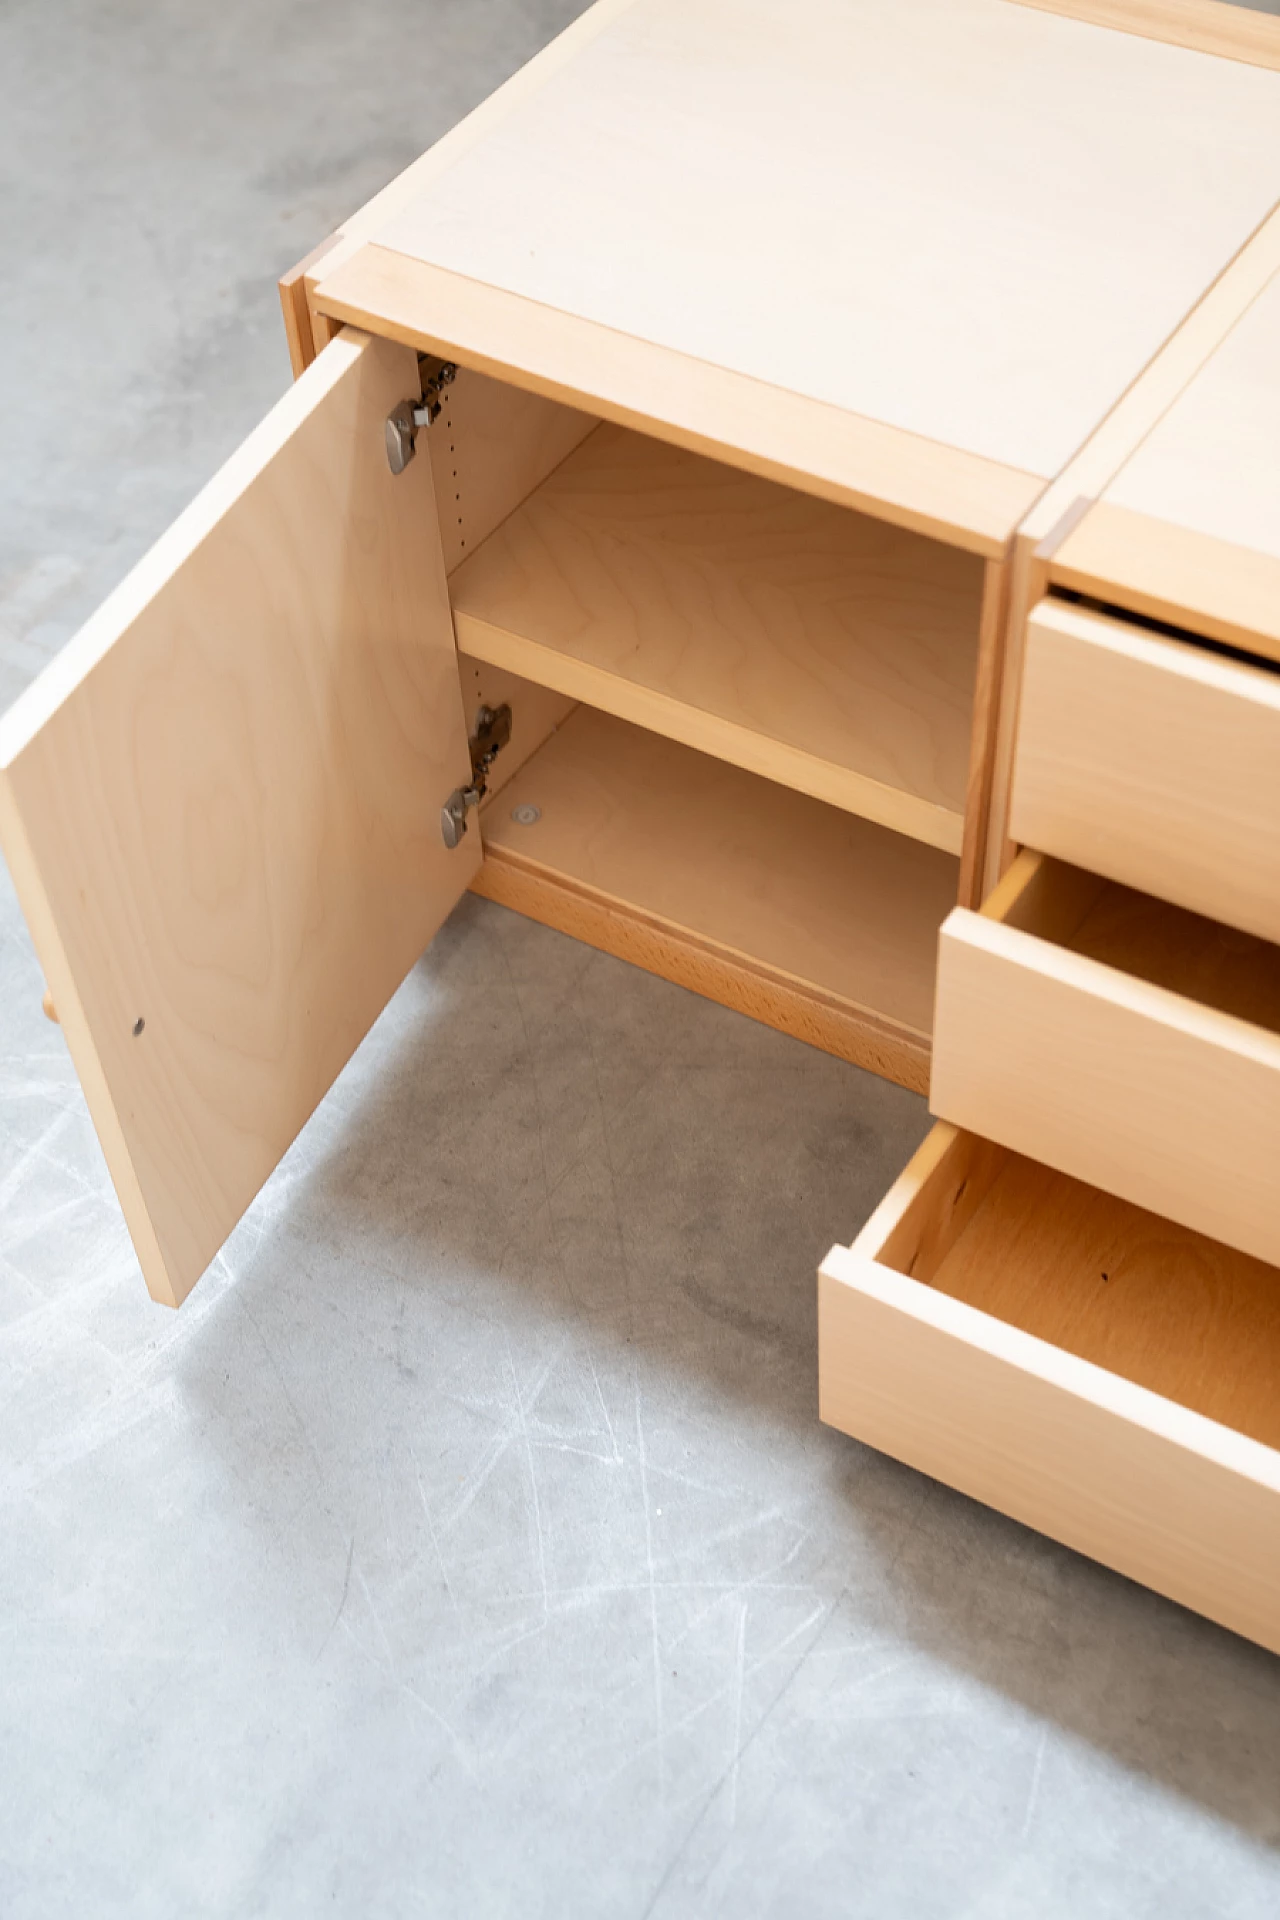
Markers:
{"x": 1188, "y": 530}
{"x": 966, "y": 219}
{"x": 1212, "y": 464}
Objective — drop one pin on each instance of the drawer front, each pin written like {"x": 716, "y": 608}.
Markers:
{"x": 1130, "y": 1086}
{"x": 1136, "y": 1480}
{"x": 1152, "y": 761}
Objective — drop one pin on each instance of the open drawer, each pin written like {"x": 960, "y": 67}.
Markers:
{"x": 1152, "y": 760}
{"x": 1121, "y": 1040}
{"x": 1085, "y": 1367}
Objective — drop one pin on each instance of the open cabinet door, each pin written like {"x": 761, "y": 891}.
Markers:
{"x": 221, "y": 804}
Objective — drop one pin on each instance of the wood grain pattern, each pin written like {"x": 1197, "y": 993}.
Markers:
{"x": 683, "y": 176}
{"x": 1154, "y": 762}
{"x": 811, "y": 906}
{"x": 819, "y": 648}
{"x": 220, "y": 805}
{"x": 1048, "y": 529}
{"x": 1060, "y": 1428}
{"x": 1142, "y": 1055}
{"x": 851, "y": 459}
{"x": 1165, "y": 1307}
{"x": 1206, "y": 26}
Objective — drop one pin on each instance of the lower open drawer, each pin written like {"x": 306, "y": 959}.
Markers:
{"x": 1083, "y": 1366}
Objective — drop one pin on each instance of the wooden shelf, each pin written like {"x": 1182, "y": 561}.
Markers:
{"x": 808, "y": 918}
{"x": 824, "y": 650}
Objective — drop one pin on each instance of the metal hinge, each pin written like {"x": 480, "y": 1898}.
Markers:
{"x": 492, "y": 732}
{"x": 405, "y": 419}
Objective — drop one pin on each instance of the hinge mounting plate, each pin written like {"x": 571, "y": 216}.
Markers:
{"x": 408, "y": 416}
{"x": 490, "y": 735}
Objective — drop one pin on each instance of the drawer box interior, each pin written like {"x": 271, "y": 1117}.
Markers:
{"x": 1122, "y": 1040}
{"x": 1089, "y": 1368}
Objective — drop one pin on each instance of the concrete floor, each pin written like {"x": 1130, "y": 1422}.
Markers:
{"x": 469, "y": 1545}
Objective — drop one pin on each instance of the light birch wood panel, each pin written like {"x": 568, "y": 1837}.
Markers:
{"x": 820, "y": 648}
{"x": 1085, "y": 1367}
{"x": 1062, "y": 512}
{"x": 419, "y": 177}
{"x": 1154, "y": 762}
{"x": 1006, "y": 266}
{"x": 220, "y": 805}
{"x": 1189, "y": 528}
{"x": 804, "y": 916}
{"x": 492, "y": 445}
{"x": 1122, "y": 1041}
{"x": 1210, "y": 464}
{"x": 1208, "y": 26}
{"x": 848, "y": 458}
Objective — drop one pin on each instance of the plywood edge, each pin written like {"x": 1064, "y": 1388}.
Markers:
{"x": 1066, "y": 503}
{"x": 1203, "y": 26}
{"x": 767, "y": 994}
{"x": 1168, "y": 572}
{"x": 294, "y": 307}
{"x": 984, "y": 727}
{"x": 901, "y": 477}
{"x": 742, "y": 746}
{"x": 51, "y": 954}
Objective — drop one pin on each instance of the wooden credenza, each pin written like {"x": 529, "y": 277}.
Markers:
{"x": 761, "y": 503}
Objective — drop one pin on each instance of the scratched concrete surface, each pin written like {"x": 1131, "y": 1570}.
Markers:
{"x": 468, "y": 1545}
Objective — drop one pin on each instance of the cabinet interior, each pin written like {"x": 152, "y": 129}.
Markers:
{"x": 1154, "y": 1302}
{"x": 743, "y": 714}
{"x": 829, "y": 651}
{"x": 807, "y": 917}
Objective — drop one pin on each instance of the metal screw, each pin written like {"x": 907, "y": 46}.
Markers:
{"x": 526, "y": 815}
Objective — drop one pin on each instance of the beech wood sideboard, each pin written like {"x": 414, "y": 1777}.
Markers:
{"x": 798, "y": 511}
